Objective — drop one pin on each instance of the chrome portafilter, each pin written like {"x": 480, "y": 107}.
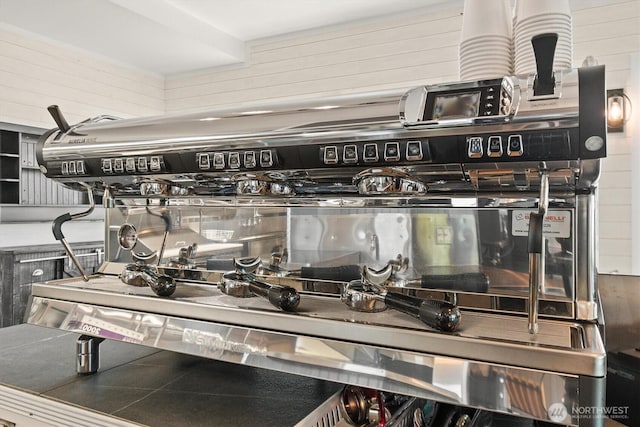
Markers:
{"x": 184, "y": 266}
{"x": 243, "y": 283}
{"x": 140, "y": 273}
{"x": 371, "y": 294}
{"x": 364, "y": 294}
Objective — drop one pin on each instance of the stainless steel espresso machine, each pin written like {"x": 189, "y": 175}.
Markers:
{"x": 438, "y": 242}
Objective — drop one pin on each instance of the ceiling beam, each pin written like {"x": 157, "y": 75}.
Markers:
{"x": 171, "y": 16}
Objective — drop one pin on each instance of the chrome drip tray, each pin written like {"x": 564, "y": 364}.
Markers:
{"x": 491, "y": 337}
{"x": 387, "y": 351}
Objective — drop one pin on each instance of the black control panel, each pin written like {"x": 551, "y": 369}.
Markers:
{"x": 539, "y": 145}
{"x": 133, "y": 165}
{"x": 370, "y": 153}
{"x": 237, "y": 160}
{"x": 496, "y": 147}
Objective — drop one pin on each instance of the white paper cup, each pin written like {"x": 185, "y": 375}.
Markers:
{"x": 529, "y": 8}
{"x": 486, "y": 17}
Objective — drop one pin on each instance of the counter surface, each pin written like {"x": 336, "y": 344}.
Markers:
{"x": 152, "y": 387}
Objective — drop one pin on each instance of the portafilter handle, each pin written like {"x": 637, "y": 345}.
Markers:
{"x": 161, "y": 284}
{"x": 437, "y": 314}
{"x": 285, "y": 298}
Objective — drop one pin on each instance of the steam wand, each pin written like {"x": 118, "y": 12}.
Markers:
{"x": 57, "y": 229}
{"x": 167, "y": 228}
{"x": 536, "y": 248}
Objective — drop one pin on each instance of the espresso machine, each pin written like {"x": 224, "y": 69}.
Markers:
{"x": 438, "y": 242}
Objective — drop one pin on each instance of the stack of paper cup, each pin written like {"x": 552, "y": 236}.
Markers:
{"x": 486, "y": 41}
{"x": 537, "y": 17}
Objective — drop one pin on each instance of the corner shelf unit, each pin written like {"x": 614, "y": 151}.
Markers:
{"x": 21, "y": 182}
{"x": 9, "y": 167}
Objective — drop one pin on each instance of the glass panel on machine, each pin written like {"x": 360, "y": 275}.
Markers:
{"x": 465, "y": 249}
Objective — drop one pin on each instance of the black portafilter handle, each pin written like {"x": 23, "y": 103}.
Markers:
{"x": 438, "y": 314}
{"x": 161, "y": 284}
{"x": 465, "y": 282}
{"x": 285, "y": 298}
{"x": 544, "y": 49}
{"x": 342, "y": 273}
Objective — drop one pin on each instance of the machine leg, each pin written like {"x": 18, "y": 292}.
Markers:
{"x": 88, "y": 354}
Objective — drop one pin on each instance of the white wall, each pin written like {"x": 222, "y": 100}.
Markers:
{"x": 35, "y": 74}
{"x": 397, "y": 52}
{"x": 611, "y": 34}
{"x": 407, "y": 50}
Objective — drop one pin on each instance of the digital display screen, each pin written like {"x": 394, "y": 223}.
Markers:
{"x": 456, "y": 106}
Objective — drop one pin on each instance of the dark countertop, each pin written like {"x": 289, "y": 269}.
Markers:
{"x": 160, "y": 388}
{"x": 156, "y": 388}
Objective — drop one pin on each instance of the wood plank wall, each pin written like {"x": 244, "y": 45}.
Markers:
{"x": 35, "y": 73}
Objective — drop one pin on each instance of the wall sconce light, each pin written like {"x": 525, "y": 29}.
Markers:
{"x": 617, "y": 110}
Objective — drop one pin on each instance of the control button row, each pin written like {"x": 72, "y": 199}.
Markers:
{"x": 73, "y": 167}
{"x": 488, "y": 102}
{"x": 475, "y": 146}
{"x": 133, "y": 165}
{"x": 370, "y": 154}
{"x": 235, "y": 160}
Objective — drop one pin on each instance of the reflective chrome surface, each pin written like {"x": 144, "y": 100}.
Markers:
{"x": 473, "y": 248}
{"x": 208, "y": 153}
{"x": 303, "y": 195}
{"x": 365, "y": 359}
{"x": 387, "y": 181}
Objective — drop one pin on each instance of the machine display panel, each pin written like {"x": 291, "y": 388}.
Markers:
{"x": 455, "y": 106}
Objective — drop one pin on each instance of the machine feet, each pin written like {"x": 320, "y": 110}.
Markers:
{"x": 88, "y": 354}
